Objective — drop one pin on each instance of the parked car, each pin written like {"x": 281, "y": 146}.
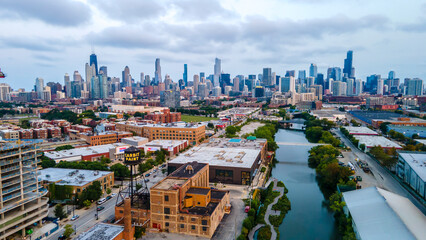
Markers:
{"x": 100, "y": 208}
{"x": 108, "y": 198}
{"x": 148, "y": 174}
{"x": 114, "y": 194}
{"x": 102, "y": 200}
{"x": 359, "y": 178}
{"x": 75, "y": 217}
{"x": 146, "y": 180}
{"x": 247, "y": 209}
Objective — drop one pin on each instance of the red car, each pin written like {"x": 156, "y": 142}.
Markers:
{"x": 247, "y": 209}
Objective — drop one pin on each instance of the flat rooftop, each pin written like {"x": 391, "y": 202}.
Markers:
{"x": 199, "y": 191}
{"x": 217, "y": 194}
{"x": 84, "y": 151}
{"x": 258, "y": 143}
{"x": 417, "y": 161}
{"x": 166, "y": 125}
{"x": 371, "y": 141}
{"x": 374, "y": 217}
{"x": 72, "y": 177}
{"x": 204, "y": 211}
{"x": 360, "y": 131}
{"x": 101, "y": 231}
{"x": 188, "y": 170}
{"x": 169, "y": 183}
{"x": 166, "y": 143}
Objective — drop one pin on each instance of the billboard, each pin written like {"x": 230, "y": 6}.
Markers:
{"x": 152, "y": 149}
{"x": 121, "y": 149}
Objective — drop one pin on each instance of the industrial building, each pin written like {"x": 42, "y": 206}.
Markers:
{"x": 409, "y": 131}
{"x": 361, "y": 131}
{"x": 411, "y": 168}
{"x": 230, "y": 160}
{"x": 379, "y": 214}
{"x": 135, "y": 141}
{"x": 172, "y": 131}
{"x": 76, "y": 178}
{"x": 101, "y": 138}
{"x": 113, "y": 151}
{"x": 23, "y": 200}
{"x": 372, "y": 141}
{"x": 172, "y": 146}
{"x": 376, "y": 118}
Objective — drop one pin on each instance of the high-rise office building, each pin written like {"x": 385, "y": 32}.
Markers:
{"x": 217, "y": 71}
{"x": 350, "y": 87}
{"x": 371, "y": 84}
{"x": 335, "y": 73}
{"x": 290, "y": 73}
{"x": 103, "y": 70}
{"x": 77, "y": 77}
{"x": 415, "y": 87}
{"x": 348, "y": 70}
{"x": 236, "y": 84}
{"x": 147, "y": 80}
{"x": 103, "y": 86}
{"x": 202, "y": 90}
{"x": 67, "y": 84}
{"x": 391, "y": 75}
{"x": 90, "y": 72}
{"x": 94, "y": 61}
{"x": 310, "y": 81}
{"x": 267, "y": 77}
{"x": 313, "y": 70}
{"x": 95, "y": 87}
{"x": 318, "y": 91}
{"x": 185, "y": 74}
{"x": 202, "y": 75}
{"x": 75, "y": 89}
{"x": 4, "y": 91}
{"x": 380, "y": 85}
{"x": 126, "y": 78}
{"x": 157, "y": 78}
{"x": 142, "y": 78}
{"x": 39, "y": 87}
{"x": 23, "y": 202}
{"x": 339, "y": 88}
{"x": 302, "y": 76}
{"x": 196, "y": 82}
{"x": 358, "y": 87}
{"x": 288, "y": 85}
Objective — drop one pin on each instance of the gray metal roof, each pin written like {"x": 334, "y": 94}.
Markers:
{"x": 373, "y": 217}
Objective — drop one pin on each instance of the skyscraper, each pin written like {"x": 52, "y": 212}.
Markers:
{"x": 267, "y": 77}
{"x": 103, "y": 70}
{"x": 196, "y": 82}
{"x": 157, "y": 78}
{"x": 358, "y": 87}
{"x": 127, "y": 80}
{"x": 339, "y": 88}
{"x": 380, "y": 83}
{"x": 67, "y": 84}
{"x": 313, "y": 70}
{"x": 391, "y": 75}
{"x": 302, "y": 75}
{"x": 90, "y": 72}
{"x": 348, "y": 70}
{"x": 39, "y": 87}
{"x": 217, "y": 71}
{"x": 94, "y": 60}
{"x": 415, "y": 87}
{"x": 4, "y": 91}
{"x": 350, "y": 87}
{"x": 185, "y": 74}
{"x": 288, "y": 84}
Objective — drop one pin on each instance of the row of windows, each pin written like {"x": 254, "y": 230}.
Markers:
{"x": 192, "y": 227}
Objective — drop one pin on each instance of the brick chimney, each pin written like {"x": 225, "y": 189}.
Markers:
{"x": 129, "y": 230}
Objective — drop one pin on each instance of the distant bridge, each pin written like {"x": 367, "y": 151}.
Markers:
{"x": 300, "y": 144}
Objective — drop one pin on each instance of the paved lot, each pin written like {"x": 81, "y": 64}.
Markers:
{"x": 249, "y": 128}
{"x": 368, "y": 180}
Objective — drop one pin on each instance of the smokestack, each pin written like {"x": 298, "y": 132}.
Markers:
{"x": 129, "y": 231}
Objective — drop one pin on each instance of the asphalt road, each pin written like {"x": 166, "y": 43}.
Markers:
{"x": 384, "y": 179}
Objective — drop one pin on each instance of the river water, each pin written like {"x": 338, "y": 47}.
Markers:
{"x": 308, "y": 217}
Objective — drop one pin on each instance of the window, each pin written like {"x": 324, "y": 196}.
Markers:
{"x": 182, "y": 226}
{"x": 167, "y": 224}
{"x": 182, "y": 218}
{"x": 204, "y": 229}
{"x": 193, "y": 219}
{"x": 166, "y": 198}
{"x": 166, "y": 210}
{"x": 204, "y": 222}
{"x": 121, "y": 211}
{"x": 167, "y": 217}
{"x": 193, "y": 227}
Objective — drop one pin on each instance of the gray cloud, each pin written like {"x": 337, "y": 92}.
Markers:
{"x": 420, "y": 26}
{"x": 130, "y": 10}
{"x": 54, "y": 12}
{"x": 201, "y": 9}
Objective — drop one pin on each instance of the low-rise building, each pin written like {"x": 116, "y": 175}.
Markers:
{"x": 373, "y": 141}
{"x": 172, "y": 146}
{"x": 164, "y": 116}
{"x": 54, "y": 132}
{"x": 113, "y": 151}
{"x": 110, "y": 114}
{"x": 76, "y": 178}
{"x": 408, "y": 131}
{"x": 230, "y": 160}
{"x": 135, "y": 141}
{"x": 379, "y": 214}
{"x": 411, "y": 168}
{"x": 361, "y": 131}
{"x": 95, "y": 139}
{"x": 9, "y": 134}
{"x": 26, "y": 133}
{"x": 40, "y": 133}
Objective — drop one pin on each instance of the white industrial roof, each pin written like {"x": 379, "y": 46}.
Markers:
{"x": 417, "y": 161}
{"x": 72, "y": 177}
{"x": 423, "y": 141}
{"x": 230, "y": 157}
{"x": 371, "y": 141}
{"x": 84, "y": 151}
{"x": 361, "y": 131}
{"x": 373, "y": 217}
{"x": 165, "y": 125}
{"x": 101, "y": 231}
{"x": 166, "y": 143}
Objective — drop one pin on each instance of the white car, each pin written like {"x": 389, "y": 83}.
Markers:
{"x": 102, "y": 200}
{"x": 114, "y": 194}
{"x": 74, "y": 217}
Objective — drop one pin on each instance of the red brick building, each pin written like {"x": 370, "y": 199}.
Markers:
{"x": 26, "y": 134}
{"x": 40, "y": 133}
{"x": 54, "y": 132}
{"x": 164, "y": 116}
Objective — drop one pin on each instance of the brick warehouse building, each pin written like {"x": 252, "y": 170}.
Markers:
{"x": 183, "y": 203}
{"x": 165, "y": 116}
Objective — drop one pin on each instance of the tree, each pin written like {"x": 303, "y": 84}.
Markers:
{"x": 65, "y": 147}
{"x": 47, "y": 162}
{"x": 362, "y": 147}
{"x": 120, "y": 171}
{"x": 384, "y": 127}
{"x": 87, "y": 203}
{"x": 68, "y": 230}
{"x": 314, "y": 134}
{"x": 60, "y": 212}
{"x": 108, "y": 191}
{"x": 25, "y": 124}
{"x": 105, "y": 160}
{"x": 231, "y": 130}
{"x": 210, "y": 125}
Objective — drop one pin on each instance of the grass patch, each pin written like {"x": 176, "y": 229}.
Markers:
{"x": 189, "y": 118}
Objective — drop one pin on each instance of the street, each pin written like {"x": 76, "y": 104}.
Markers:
{"x": 384, "y": 179}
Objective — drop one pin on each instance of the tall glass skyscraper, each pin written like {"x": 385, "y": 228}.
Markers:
{"x": 185, "y": 74}
{"x": 94, "y": 60}
{"x": 157, "y": 78}
{"x": 217, "y": 71}
{"x": 313, "y": 70}
{"x": 348, "y": 70}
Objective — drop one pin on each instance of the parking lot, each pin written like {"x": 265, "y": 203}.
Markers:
{"x": 368, "y": 179}
{"x": 249, "y": 128}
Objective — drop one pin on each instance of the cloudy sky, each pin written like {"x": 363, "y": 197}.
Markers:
{"x": 48, "y": 38}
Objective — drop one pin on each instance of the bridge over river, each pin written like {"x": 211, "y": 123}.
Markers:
{"x": 300, "y": 144}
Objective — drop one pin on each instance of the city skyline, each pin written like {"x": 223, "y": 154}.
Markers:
{"x": 251, "y": 40}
